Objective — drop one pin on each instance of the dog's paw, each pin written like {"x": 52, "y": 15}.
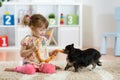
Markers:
{"x": 75, "y": 70}
{"x": 90, "y": 69}
{"x": 65, "y": 69}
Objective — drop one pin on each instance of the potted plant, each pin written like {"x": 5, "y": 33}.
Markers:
{"x": 0, "y": 3}
{"x": 51, "y": 19}
{"x": 51, "y": 15}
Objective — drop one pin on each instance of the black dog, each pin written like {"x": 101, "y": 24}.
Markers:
{"x": 81, "y": 58}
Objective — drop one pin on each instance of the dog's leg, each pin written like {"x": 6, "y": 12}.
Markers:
{"x": 67, "y": 66}
{"x": 76, "y": 67}
{"x": 93, "y": 65}
{"x": 99, "y": 63}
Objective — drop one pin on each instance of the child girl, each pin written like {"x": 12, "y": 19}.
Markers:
{"x": 38, "y": 24}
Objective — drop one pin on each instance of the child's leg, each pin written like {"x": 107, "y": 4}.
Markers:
{"x": 47, "y": 68}
{"x": 26, "y": 69}
{"x": 9, "y": 69}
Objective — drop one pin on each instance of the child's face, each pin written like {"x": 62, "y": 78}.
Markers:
{"x": 39, "y": 31}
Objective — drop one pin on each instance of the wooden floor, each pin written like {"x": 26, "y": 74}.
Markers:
{"x": 10, "y": 55}
{"x": 15, "y": 56}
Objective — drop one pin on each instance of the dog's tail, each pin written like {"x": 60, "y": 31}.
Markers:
{"x": 99, "y": 63}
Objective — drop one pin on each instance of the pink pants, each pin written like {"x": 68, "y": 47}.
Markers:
{"x": 26, "y": 69}
{"x": 31, "y": 69}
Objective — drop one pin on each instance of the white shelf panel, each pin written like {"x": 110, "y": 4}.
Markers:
{"x": 2, "y": 26}
{"x": 52, "y": 26}
{"x": 40, "y": 3}
{"x": 69, "y": 25}
{"x": 9, "y": 48}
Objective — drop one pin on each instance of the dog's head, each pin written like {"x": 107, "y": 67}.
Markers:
{"x": 69, "y": 48}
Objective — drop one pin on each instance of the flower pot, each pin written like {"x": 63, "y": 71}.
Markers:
{"x": 52, "y": 21}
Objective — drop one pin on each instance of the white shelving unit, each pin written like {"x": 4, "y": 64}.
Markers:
{"x": 64, "y": 34}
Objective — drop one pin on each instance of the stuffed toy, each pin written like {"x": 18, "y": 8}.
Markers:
{"x": 53, "y": 54}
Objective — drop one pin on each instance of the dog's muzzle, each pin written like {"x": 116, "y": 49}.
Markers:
{"x": 66, "y": 51}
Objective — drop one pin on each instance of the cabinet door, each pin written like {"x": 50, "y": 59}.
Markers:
{"x": 68, "y": 35}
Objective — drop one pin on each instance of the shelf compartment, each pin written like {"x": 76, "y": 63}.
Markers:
{"x": 68, "y": 36}
{"x": 6, "y": 9}
{"x": 63, "y": 34}
{"x": 10, "y": 32}
{"x": 22, "y": 10}
{"x": 46, "y": 10}
{"x": 69, "y": 10}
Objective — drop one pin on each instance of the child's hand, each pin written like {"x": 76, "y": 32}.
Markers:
{"x": 34, "y": 48}
{"x": 53, "y": 53}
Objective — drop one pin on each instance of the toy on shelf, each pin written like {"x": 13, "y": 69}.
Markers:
{"x": 3, "y": 41}
{"x": 61, "y": 18}
{"x": 3, "y": 1}
{"x": 72, "y": 19}
{"x": 0, "y": 4}
{"x": 8, "y": 19}
{"x": 50, "y": 37}
{"x": 51, "y": 19}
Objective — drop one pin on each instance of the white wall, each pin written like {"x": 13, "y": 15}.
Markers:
{"x": 98, "y": 18}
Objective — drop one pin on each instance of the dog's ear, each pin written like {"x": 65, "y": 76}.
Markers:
{"x": 72, "y": 45}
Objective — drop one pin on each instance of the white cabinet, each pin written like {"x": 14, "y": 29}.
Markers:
{"x": 67, "y": 33}
{"x": 69, "y": 36}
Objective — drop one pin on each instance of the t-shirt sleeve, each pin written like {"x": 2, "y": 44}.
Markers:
{"x": 25, "y": 40}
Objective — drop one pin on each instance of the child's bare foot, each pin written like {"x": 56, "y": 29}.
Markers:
{"x": 9, "y": 69}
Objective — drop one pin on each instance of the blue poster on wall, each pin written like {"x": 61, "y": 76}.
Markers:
{"x": 8, "y": 19}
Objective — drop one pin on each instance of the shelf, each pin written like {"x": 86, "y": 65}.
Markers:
{"x": 2, "y": 26}
{"x": 9, "y": 48}
{"x": 69, "y": 25}
{"x": 40, "y": 3}
{"x": 52, "y": 26}
{"x": 63, "y": 34}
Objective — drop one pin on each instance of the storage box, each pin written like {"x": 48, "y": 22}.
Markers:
{"x": 72, "y": 19}
{"x": 8, "y": 19}
{"x": 3, "y": 41}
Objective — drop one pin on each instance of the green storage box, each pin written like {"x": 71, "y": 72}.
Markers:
{"x": 72, "y": 19}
